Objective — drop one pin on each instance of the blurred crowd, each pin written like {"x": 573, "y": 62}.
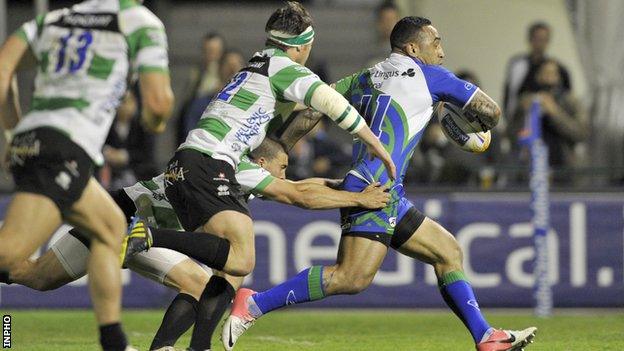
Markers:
{"x": 531, "y": 77}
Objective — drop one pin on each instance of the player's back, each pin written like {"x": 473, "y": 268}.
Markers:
{"x": 264, "y": 92}
{"x": 396, "y": 98}
{"x": 84, "y": 56}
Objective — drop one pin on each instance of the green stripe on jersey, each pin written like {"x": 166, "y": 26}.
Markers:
{"x": 315, "y": 281}
{"x": 40, "y": 19}
{"x": 244, "y": 99}
{"x": 126, "y": 4}
{"x": 214, "y": 126}
{"x": 100, "y": 67}
{"x": 142, "y": 38}
{"x": 264, "y": 183}
{"x": 358, "y": 120}
{"x": 153, "y": 69}
{"x": 150, "y": 184}
{"x": 308, "y": 95}
{"x": 44, "y": 61}
{"x": 281, "y": 80}
{"x": 246, "y": 165}
{"x": 166, "y": 218}
{"x": 56, "y": 103}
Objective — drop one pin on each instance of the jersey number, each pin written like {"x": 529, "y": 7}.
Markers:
{"x": 377, "y": 117}
{"x": 235, "y": 84}
{"x": 73, "y": 59}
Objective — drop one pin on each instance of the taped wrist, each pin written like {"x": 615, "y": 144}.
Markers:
{"x": 328, "y": 101}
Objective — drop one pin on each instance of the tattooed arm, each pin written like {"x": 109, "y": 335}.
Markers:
{"x": 485, "y": 109}
{"x": 300, "y": 126}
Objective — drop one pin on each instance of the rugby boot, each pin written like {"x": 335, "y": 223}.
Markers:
{"x": 138, "y": 239}
{"x": 240, "y": 319}
{"x": 506, "y": 340}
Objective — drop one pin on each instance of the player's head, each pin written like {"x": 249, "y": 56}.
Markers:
{"x": 271, "y": 155}
{"x": 416, "y": 37}
{"x": 386, "y": 16}
{"x": 539, "y": 37}
{"x": 213, "y": 47}
{"x": 290, "y": 29}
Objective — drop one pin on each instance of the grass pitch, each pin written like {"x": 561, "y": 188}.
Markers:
{"x": 330, "y": 330}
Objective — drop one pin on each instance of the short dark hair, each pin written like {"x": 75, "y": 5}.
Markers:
{"x": 537, "y": 26}
{"x": 269, "y": 148}
{"x": 406, "y": 30}
{"x": 385, "y": 5}
{"x": 214, "y": 35}
{"x": 292, "y": 18}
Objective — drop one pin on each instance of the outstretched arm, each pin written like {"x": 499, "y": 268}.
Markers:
{"x": 315, "y": 196}
{"x": 484, "y": 108}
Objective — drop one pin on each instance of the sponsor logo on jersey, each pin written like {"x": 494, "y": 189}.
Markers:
{"x": 468, "y": 86}
{"x": 87, "y": 20}
{"x": 23, "y": 147}
{"x": 252, "y": 126}
{"x": 409, "y": 73}
{"x": 385, "y": 75}
{"x": 223, "y": 190}
{"x": 257, "y": 64}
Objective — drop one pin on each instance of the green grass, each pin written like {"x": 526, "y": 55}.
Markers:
{"x": 331, "y": 330}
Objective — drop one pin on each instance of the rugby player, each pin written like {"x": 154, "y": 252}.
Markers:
{"x": 396, "y": 98}
{"x": 262, "y": 174}
{"x": 199, "y": 179}
{"x": 84, "y": 55}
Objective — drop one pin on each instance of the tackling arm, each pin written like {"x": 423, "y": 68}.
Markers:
{"x": 301, "y": 125}
{"x": 315, "y": 196}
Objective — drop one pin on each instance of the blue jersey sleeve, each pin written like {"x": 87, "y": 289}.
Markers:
{"x": 445, "y": 86}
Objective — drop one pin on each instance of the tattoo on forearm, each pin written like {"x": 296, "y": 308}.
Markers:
{"x": 485, "y": 108}
{"x": 300, "y": 126}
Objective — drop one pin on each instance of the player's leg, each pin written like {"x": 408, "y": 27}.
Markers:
{"x": 97, "y": 214}
{"x": 359, "y": 258}
{"x": 30, "y": 220}
{"x": 431, "y": 243}
{"x": 237, "y": 228}
{"x": 47, "y": 272}
{"x": 177, "y": 271}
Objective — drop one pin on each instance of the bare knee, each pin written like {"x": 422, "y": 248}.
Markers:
{"x": 194, "y": 284}
{"x": 114, "y": 228}
{"x": 12, "y": 256}
{"x": 345, "y": 282}
{"x": 239, "y": 265}
{"x": 450, "y": 259}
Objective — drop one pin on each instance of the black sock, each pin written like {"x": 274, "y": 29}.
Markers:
{"x": 179, "y": 317}
{"x": 208, "y": 249}
{"x": 215, "y": 299}
{"x": 112, "y": 337}
{"x": 4, "y": 277}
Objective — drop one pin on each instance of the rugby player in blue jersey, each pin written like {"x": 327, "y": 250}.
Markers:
{"x": 396, "y": 98}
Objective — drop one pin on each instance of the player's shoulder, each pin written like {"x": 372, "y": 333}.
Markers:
{"x": 282, "y": 64}
{"x": 133, "y": 16}
{"x": 246, "y": 164}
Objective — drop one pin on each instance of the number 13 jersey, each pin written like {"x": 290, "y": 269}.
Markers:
{"x": 84, "y": 56}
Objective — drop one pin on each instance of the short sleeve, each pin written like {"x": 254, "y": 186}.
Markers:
{"x": 295, "y": 83}
{"x": 445, "y": 86}
{"x": 29, "y": 31}
{"x": 147, "y": 40}
{"x": 252, "y": 178}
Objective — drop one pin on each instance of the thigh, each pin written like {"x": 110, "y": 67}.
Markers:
{"x": 29, "y": 221}
{"x": 360, "y": 256}
{"x": 200, "y": 187}
{"x": 429, "y": 242}
{"x": 52, "y": 270}
{"x": 98, "y": 215}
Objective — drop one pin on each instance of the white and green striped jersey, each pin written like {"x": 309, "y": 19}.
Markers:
{"x": 84, "y": 56}
{"x": 153, "y": 206}
{"x": 257, "y": 100}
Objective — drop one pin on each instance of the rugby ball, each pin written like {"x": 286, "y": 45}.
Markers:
{"x": 463, "y": 129}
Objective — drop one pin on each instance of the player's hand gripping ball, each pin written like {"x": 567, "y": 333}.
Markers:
{"x": 463, "y": 128}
